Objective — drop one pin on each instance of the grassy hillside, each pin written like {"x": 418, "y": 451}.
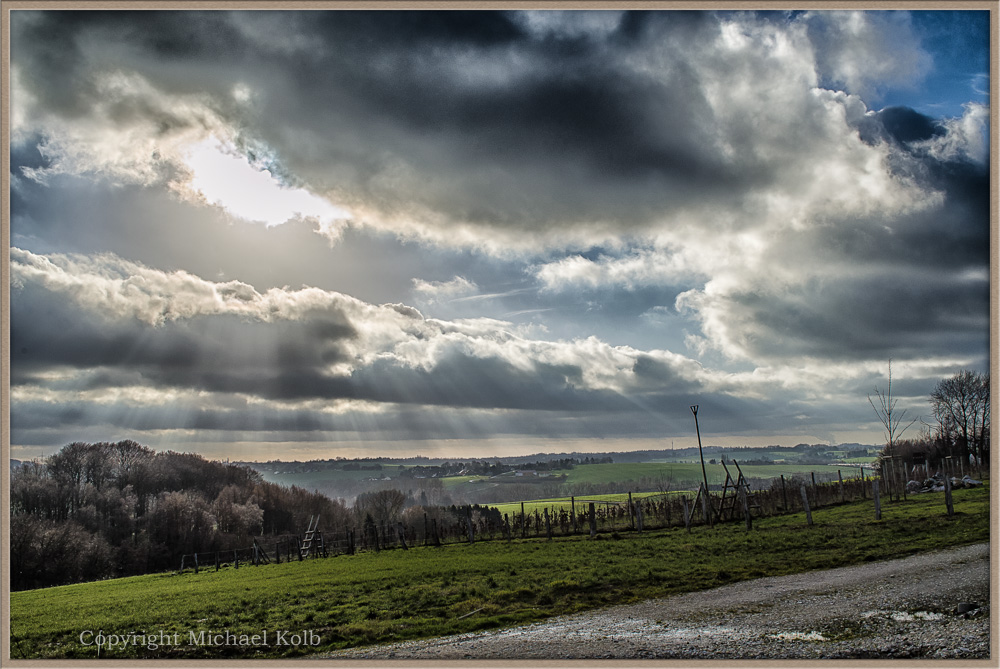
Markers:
{"x": 393, "y": 595}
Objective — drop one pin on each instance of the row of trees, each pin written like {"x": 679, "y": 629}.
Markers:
{"x": 94, "y": 511}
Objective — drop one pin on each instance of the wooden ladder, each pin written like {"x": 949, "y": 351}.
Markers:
{"x": 312, "y": 532}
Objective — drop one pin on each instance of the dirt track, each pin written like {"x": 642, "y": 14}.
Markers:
{"x": 903, "y": 608}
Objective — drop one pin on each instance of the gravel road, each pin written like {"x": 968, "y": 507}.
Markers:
{"x": 906, "y": 608}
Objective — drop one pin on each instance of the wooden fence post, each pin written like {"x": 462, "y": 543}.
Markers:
{"x": 687, "y": 513}
{"x": 638, "y": 517}
{"x": 947, "y": 496}
{"x": 805, "y": 504}
{"x": 864, "y": 491}
{"x": 181, "y": 570}
{"x": 631, "y": 512}
{"x": 401, "y": 531}
{"x": 216, "y": 560}
{"x": 840, "y": 478}
{"x": 593, "y": 520}
{"x": 746, "y": 507}
{"x": 548, "y": 524}
{"x": 236, "y": 558}
{"x": 524, "y": 522}
{"x": 704, "y": 507}
{"x": 468, "y": 523}
{"x": 784, "y": 495}
{"x": 903, "y": 477}
{"x": 878, "y": 502}
{"x": 196, "y": 563}
{"x": 572, "y": 512}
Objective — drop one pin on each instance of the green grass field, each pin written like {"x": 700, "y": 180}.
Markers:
{"x": 393, "y": 595}
{"x": 558, "y": 503}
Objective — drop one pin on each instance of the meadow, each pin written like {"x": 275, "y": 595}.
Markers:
{"x": 557, "y": 504}
{"x": 370, "y": 597}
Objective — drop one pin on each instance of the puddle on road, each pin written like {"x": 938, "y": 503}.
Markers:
{"x": 620, "y": 630}
{"x": 798, "y": 636}
{"x": 905, "y": 616}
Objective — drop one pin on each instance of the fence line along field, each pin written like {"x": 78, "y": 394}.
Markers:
{"x": 577, "y": 504}
{"x": 387, "y": 595}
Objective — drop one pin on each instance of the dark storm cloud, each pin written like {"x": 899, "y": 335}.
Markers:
{"x": 906, "y": 125}
{"x": 511, "y": 121}
{"x": 869, "y": 318}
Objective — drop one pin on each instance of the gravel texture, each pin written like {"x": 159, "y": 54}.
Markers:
{"x": 934, "y": 605}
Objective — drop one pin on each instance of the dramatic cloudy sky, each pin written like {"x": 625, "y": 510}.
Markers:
{"x": 310, "y": 234}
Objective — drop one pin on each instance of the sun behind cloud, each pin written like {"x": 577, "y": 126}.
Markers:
{"x": 224, "y": 177}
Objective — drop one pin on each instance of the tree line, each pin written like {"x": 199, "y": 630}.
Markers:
{"x": 94, "y": 511}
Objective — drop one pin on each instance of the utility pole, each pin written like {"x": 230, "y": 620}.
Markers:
{"x": 704, "y": 476}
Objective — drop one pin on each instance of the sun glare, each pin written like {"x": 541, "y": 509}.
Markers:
{"x": 227, "y": 179}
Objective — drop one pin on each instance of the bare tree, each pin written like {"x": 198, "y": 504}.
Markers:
{"x": 961, "y": 405}
{"x": 893, "y": 420}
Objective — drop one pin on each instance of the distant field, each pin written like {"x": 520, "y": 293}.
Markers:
{"x": 688, "y": 474}
{"x": 314, "y": 479}
{"x": 671, "y": 475}
{"x": 452, "y": 482}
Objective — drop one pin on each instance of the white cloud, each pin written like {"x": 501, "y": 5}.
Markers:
{"x": 868, "y": 51}
{"x": 132, "y": 132}
{"x": 123, "y": 292}
{"x": 965, "y": 138}
{"x": 444, "y": 290}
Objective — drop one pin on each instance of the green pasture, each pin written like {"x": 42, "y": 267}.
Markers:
{"x": 400, "y": 594}
{"x": 557, "y": 504}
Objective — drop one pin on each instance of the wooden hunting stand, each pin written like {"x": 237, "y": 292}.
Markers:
{"x": 741, "y": 500}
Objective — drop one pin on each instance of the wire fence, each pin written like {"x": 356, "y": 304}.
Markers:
{"x": 735, "y": 501}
